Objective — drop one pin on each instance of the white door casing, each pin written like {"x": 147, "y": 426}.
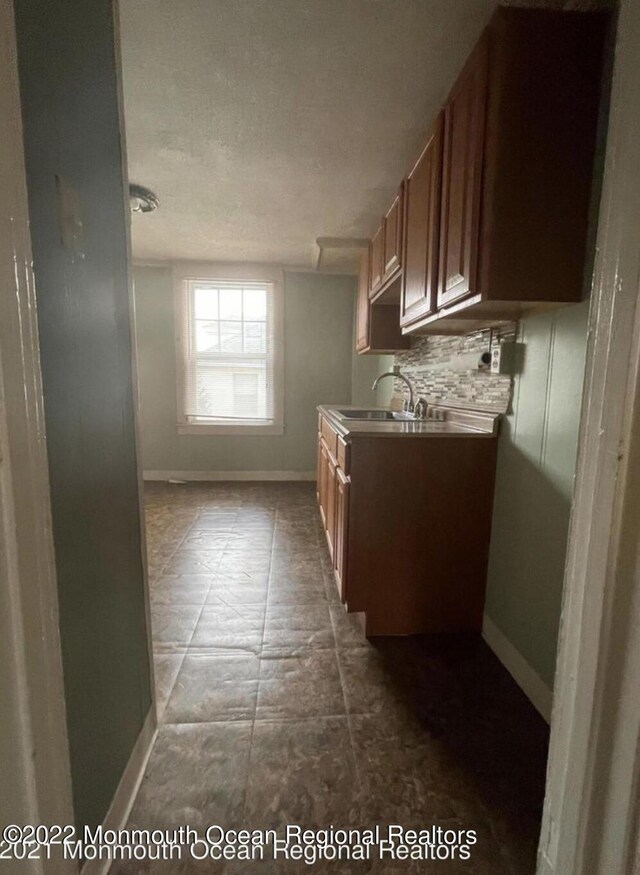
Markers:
{"x": 35, "y": 786}
{"x": 590, "y": 823}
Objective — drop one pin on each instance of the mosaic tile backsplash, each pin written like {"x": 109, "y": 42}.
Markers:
{"x": 444, "y": 369}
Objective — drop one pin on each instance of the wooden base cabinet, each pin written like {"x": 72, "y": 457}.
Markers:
{"x": 408, "y": 523}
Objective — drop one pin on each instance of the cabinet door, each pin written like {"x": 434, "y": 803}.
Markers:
{"x": 376, "y": 261}
{"x": 422, "y": 191}
{"x": 323, "y": 475}
{"x": 331, "y": 504}
{"x": 362, "y": 305}
{"x": 319, "y": 473}
{"x": 393, "y": 237}
{"x": 462, "y": 179}
{"x": 341, "y": 532}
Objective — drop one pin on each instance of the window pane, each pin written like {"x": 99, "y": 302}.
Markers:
{"x": 206, "y": 336}
{"x": 255, "y": 304}
{"x": 231, "y": 303}
{"x": 231, "y": 352}
{"x": 255, "y": 336}
{"x": 232, "y": 391}
{"x": 230, "y": 336}
{"x": 205, "y": 302}
{"x": 245, "y": 393}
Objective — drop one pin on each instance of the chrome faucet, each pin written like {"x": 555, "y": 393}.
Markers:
{"x": 396, "y": 374}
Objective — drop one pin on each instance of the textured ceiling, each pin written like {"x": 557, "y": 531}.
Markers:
{"x": 264, "y": 124}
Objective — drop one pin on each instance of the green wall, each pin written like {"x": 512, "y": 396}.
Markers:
{"x": 534, "y": 485}
{"x": 68, "y": 81}
{"x": 318, "y": 368}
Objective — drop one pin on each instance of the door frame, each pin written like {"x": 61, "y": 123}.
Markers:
{"x": 33, "y": 725}
{"x": 591, "y": 818}
{"x": 591, "y": 815}
{"x": 135, "y": 381}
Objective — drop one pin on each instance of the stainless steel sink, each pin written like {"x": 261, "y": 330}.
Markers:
{"x": 376, "y": 415}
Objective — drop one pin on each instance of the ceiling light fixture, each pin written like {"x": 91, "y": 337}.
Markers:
{"x": 141, "y": 199}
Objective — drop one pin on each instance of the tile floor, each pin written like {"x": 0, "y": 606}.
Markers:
{"x": 275, "y": 709}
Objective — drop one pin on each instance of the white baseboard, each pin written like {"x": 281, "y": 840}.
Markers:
{"x": 527, "y": 679}
{"x": 118, "y": 813}
{"x": 229, "y": 475}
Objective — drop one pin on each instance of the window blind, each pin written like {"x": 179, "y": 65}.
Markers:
{"x": 229, "y": 352}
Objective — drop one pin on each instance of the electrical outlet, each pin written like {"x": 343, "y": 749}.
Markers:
{"x": 503, "y": 358}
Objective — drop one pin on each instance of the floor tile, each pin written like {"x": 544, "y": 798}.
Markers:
{"x": 205, "y": 540}
{"x": 196, "y": 776}
{"x": 165, "y": 668}
{"x": 294, "y": 629}
{"x": 229, "y": 627}
{"x": 241, "y": 575}
{"x": 233, "y": 563}
{"x": 256, "y": 542}
{"x": 331, "y": 588}
{"x": 401, "y": 775}
{"x": 370, "y": 686}
{"x": 301, "y": 772}
{"x": 237, "y": 593}
{"x": 300, "y": 686}
{"x": 302, "y": 564}
{"x": 173, "y": 625}
{"x": 194, "y": 562}
{"x": 180, "y": 590}
{"x": 288, "y": 593}
{"x": 211, "y": 519}
{"x": 347, "y": 628}
{"x": 214, "y": 688}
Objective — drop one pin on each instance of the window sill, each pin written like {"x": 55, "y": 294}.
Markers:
{"x": 235, "y": 428}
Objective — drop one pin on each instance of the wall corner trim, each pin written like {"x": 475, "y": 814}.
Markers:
{"x": 127, "y": 790}
{"x": 523, "y": 674}
{"x": 229, "y": 475}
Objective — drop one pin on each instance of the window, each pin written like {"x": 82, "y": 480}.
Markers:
{"x": 230, "y": 352}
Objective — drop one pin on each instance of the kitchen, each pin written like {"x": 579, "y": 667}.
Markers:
{"x": 358, "y": 369}
{"x": 484, "y": 334}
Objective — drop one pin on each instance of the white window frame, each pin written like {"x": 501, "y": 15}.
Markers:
{"x": 184, "y": 272}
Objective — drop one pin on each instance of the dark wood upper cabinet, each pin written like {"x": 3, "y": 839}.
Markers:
{"x": 377, "y": 325}
{"x": 519, "y": 147}
{"x": 493, "y": 222}
{"x": 393, "y": 238}
{"x": 464, "y": 124}
{"x": 362, "y": 304}
{"x": 422, "y": 190}
{"x": 376, "y": 271}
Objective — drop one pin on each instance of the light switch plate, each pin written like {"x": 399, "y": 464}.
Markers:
{"x": 70, "y": 216}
